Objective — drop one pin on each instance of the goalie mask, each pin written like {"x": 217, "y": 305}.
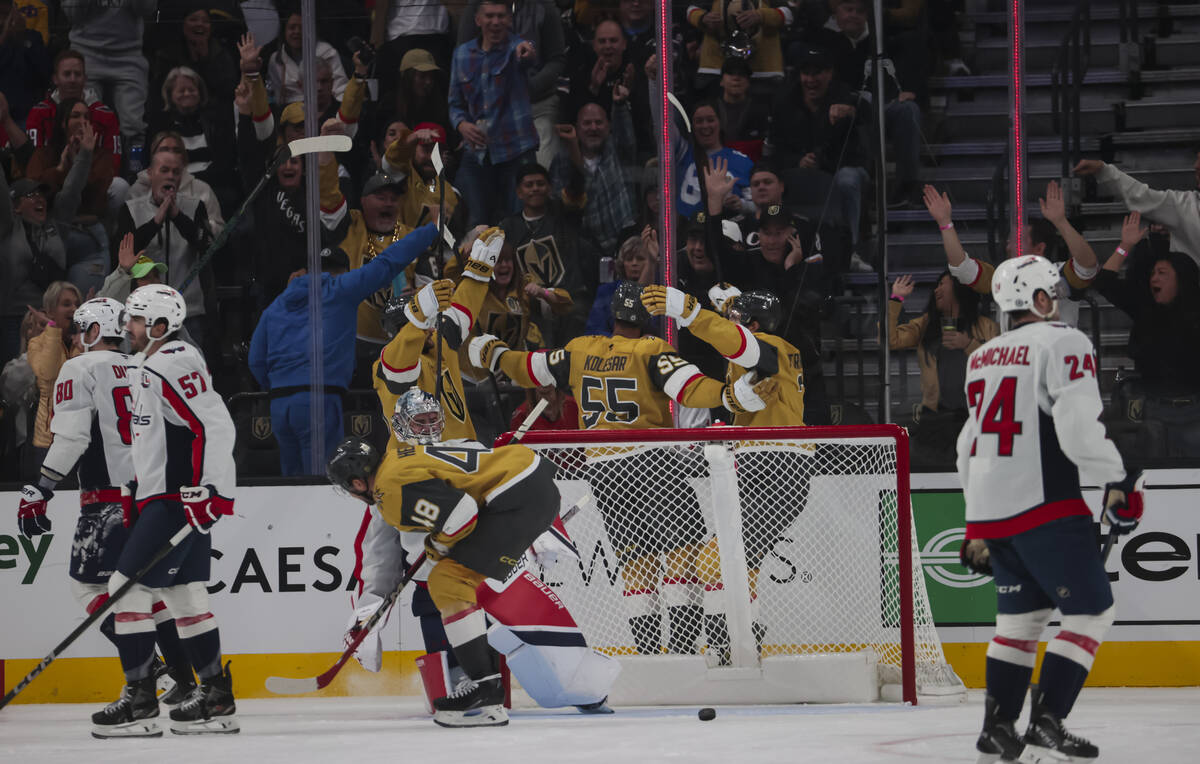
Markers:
{"x": 104, "y": 311}
{"x": 354, "y": 458}
{"x": 757, "y": 305}
{"x": 627, "y": 304}
{"x": 418, "y": 418}
{"x": 1016, "y": 281}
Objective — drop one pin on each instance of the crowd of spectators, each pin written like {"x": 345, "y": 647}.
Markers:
{"x": 133, "y": 129}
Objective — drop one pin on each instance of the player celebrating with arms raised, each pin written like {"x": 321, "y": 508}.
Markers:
{"x": 1032, "y": 434}
{"x": 183, "y": 460}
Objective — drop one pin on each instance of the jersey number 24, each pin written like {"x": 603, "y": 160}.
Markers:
{"x": 999, "y": 416}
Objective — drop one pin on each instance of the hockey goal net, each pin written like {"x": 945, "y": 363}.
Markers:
{"x": 727, "y": 565}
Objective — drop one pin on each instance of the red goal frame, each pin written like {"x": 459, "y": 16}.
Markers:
{"x": 720, "y": 433}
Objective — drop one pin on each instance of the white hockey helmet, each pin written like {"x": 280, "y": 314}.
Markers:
{"x": 106, "y": 312}
{"x": 155, "y": 302}
{"x": 1016, "y": 281}
{"x": 418, "y": 418}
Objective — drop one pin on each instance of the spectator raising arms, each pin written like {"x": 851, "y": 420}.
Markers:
{"x": 944, "y": 335}
{"x": 706, "y": 126}
{"x": 490, "y": 108}
{"x": 1166, "y": 330}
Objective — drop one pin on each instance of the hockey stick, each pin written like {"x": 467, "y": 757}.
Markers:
{"x": 439, "y": 166}
{"x": 97, "y": 614}
{"x": 1111, "y": 539}
{"x": 296, "y": 148}
{"x": 292, "y": 686}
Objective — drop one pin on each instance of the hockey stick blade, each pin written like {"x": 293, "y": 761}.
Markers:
{"x": 282, "y": 685}
{"x": 335, "y": 143}
{"x": 293, "y": 686}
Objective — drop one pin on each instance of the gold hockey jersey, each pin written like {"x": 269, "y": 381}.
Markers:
{"x": 620, "y": 383}
{"x": 416, "y": 487}
{"x": 406, "y": 361}
{"x": 764, "y": 353}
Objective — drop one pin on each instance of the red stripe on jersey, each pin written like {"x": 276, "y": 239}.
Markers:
{"x": 1024, "y": 645}
{"x": 263, "y": 118}
{"x": 194, "y": 424}
{"x": 358, "y": 540}
{"x": 131, "y": 617}
{"x": 742, "y": 348}
{"x": 460, "y": 615}
{"x": 192, "y": 620}
{"x": 393, "y": 369}
{"x": 1081, "y": 640}
{"x": 325, "y": 211}
{"x": 694, "y": 377}
{"x": 978, "y": 273}
{"x": 463, "y": 308}
{"x": 1040, "y": 515}
{"x": 96, "y": 602}
{"x": 158, "y": 607}
{"x": 529, "y": 369}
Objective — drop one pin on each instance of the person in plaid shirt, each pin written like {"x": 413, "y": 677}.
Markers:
{"x": 490, "y": 108}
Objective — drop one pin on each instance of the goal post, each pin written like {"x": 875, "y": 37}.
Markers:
{"x": 747, "y": 565}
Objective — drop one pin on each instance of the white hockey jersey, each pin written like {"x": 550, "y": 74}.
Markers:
{"x": 1033, "y": 430}
{"x": 90, "y": 422}
{"x": 182, "y": 432}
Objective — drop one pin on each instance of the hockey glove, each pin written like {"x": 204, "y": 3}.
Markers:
{"x": 721, "y": 294}
{"x": 428, "y": 302}
{"x": 554, "y": 545}
{"x": 485, "y": 350}
{"x": 669, "y": 301}
{"x": 975, "y": 557}
{"x": 484, "y": 252}
{"x": 435, "y": 547}
{"x": 369, "y": 652}
{"x": 129, "y": 510}
{"x": 31, "y": 513}
{"x": 1124, "y": 502}
{"x": 204, "y": 506}
{"x": 747, "y": 395}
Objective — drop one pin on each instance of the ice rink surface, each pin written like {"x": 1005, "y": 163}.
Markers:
{"x": 1131, "y": 726}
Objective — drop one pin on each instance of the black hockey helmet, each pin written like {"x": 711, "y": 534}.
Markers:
{"x": 757, "y": 305}
{"x": 354, "y": 458}
{"x": 627, "y": 304}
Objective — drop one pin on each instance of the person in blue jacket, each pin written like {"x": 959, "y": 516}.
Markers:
{"x": 279, "y": 350}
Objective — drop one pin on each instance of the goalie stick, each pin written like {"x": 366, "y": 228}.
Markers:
{"x": 296, "y": 686}
{"x": 298, "y": 147}
{"x": 97, "y": 614}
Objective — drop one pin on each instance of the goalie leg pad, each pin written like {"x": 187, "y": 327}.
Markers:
{"x": 543, "y": 645}
{"x": 555, "y": 675}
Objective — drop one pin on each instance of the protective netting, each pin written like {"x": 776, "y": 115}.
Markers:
{"x": 742, "y": 550}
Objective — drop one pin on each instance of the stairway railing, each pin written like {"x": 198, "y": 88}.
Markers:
{"x": 1066, "y": 84}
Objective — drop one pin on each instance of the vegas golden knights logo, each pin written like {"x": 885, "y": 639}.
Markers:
{"x": 541, "y": 258}
{"x": 450, "y": 399}
{"x": 360, "y": 425}
{"x": 261, "y": 427}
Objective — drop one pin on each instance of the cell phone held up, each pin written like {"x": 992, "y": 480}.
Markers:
{"x": 366, "y": 53}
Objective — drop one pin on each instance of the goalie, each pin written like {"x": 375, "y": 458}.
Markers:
{"x": 481, "y": 508}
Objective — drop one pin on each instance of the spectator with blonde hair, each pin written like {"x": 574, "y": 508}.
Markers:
{"x": 49, "y": 350}
{"x": 636, "y": 261}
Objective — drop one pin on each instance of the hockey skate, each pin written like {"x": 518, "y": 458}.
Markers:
{"x": 599, "y": 707}
{"x": 134, "y": 714}
{"x": 180, "y": 684}
{"x": 473, "y": 704}
{"x": 209, "y": 709}
{"x": 998, "y": 741}
{"x": 1047, "y": 740}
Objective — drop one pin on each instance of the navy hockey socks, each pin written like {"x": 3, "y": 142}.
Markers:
{"x": 137, "y": 654}
{"x": 204, "y": 651}
{"x": 1060, "y": 683}
{"x": 1007, "y": 682}
{"x": 169, "y": 644}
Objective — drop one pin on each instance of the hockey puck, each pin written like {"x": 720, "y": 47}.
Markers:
{"x": 706, "y": 714}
